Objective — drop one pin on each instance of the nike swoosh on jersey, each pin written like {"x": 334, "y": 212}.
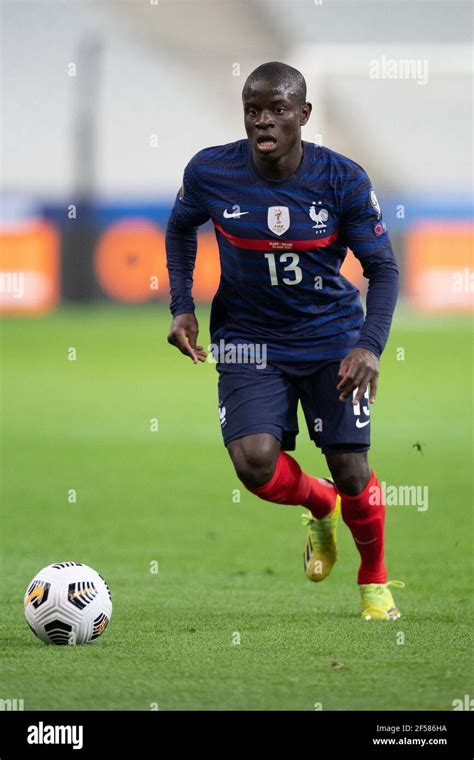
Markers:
{"x": 234, "y": 214}
{"x": 360, "y": 424}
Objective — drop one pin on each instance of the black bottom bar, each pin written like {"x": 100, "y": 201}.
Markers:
{"x": 99, "y": 734}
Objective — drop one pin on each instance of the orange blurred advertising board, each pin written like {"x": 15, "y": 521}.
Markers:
{"x": 29, "y": 268}
{"x": 440, "y": 267}
{"x": 129, "y": 261}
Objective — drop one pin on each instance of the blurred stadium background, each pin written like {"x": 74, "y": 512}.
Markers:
{"x": 116, "y": 459}
{"x": 104, "y": 104}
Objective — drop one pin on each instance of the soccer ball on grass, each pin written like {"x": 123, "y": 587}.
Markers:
{"x": 68, "y": 603}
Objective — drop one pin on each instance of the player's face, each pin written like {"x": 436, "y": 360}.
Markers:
{"x": 273, "y": 118}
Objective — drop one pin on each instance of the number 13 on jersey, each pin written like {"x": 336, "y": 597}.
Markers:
{"x": 292, "y": 267}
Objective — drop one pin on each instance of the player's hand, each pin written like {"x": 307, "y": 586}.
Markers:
{"x": 183, "y": 334}
{"x": 359, "y": 369}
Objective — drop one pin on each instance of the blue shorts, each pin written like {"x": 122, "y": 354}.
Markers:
{"x": 254, "y": 400}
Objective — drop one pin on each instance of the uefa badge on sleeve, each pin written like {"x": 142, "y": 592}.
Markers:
{"x": 374, "y": 202}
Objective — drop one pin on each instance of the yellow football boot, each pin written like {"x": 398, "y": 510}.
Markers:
{"x": 320, "y": 551}
{"x": 377, "y": 601}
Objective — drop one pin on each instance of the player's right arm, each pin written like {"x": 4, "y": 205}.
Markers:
{"x": 187, "y": 215}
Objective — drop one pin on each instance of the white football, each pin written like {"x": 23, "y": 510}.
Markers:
{"x": 68, "y": 603}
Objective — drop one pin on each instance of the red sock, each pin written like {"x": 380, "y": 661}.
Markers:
{"x": 290, "y": 485}
{"x": 365, "y": 516}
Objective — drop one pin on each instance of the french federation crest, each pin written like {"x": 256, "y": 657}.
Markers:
{"x": 320, "y": 216}
{"x": 278, "y": 219}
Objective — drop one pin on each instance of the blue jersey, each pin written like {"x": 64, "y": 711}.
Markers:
{"x": 281, "y": 247}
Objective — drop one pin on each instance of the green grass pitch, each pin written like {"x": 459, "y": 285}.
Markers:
{"x": 223, "y": 567}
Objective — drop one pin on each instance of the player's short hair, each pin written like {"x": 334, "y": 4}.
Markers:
{"x": 281, "y": 72}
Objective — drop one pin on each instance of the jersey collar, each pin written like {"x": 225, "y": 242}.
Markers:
{"x": 301, "y": 170}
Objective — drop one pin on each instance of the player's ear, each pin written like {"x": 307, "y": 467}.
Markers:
{"x": 305, "y": 113}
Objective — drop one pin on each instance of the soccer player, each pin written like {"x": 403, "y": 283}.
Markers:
{"x": 285, "y": 211}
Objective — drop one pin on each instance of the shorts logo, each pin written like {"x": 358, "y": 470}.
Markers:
{"x": 380, "y": 228}
{"x": 320, "y": 217}
{"x": 222, "y": 414}
{"x": 278, "y": 219}
{"x": 361, "y": 409}
{"x": 374, "y": 202}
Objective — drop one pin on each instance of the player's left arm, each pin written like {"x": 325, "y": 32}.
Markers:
{"x": 366, "y": 235}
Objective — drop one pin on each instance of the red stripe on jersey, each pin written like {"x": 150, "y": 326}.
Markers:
{"x": 277, "y": 245}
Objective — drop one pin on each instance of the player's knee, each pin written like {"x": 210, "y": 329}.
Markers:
{"x": 350, "y": 472}
{"x": 350, "y": 484}
{"x": 254, "y": 465}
